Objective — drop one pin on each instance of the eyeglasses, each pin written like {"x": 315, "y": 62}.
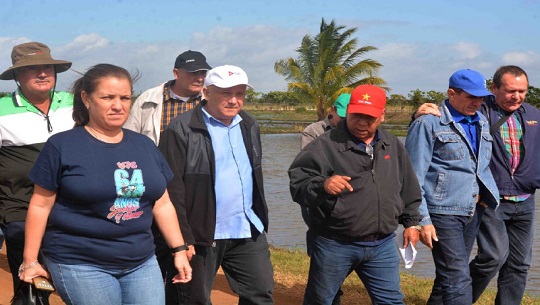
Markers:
{"x": 369, "y": 151}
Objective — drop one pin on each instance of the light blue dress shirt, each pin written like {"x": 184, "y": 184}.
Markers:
{"x": 234, "y": 180}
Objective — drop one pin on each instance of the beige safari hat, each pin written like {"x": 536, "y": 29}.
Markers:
{"x": 33, "y": 54}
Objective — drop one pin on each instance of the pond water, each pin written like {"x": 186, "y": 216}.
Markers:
{"x": 287, "y": 229}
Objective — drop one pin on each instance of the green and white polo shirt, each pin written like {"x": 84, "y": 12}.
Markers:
{"x": 23, "y": 132}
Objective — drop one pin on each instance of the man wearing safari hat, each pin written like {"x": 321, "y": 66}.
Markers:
{"x": 28, "y": 117}
{"x": 359, "y": 185}
{"x": 451, "y": 156}
{"x": 215, "y": 154}
{"x": 335, "y": 115}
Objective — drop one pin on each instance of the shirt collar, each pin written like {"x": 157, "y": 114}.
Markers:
{"x": 458, "y": 117}
{"x": 209, "y": 119}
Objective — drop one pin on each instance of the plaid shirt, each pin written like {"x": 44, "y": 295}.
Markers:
{"x": 173, "y": 107}
{"x": 511, "y": 135}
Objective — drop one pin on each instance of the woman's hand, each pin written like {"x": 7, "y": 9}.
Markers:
{"x": 28, "y": 271}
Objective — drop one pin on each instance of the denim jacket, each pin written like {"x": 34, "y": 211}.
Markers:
{"x": 449, "y": 172}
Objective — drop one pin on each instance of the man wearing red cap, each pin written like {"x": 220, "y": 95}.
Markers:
{"x": 358, "y": 184}
{"x": 28, "y": 117}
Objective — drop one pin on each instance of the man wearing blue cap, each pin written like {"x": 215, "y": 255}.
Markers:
{"x": 505, "y": 237}
{"x": 335, "y": 115}
{"x": 450, "y": 155}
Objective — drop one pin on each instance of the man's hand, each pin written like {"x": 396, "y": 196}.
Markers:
{"x": 337, "y": 184}
{"x": 427, "y": 235}
{"x": 427, "y": 108}
{"x": 411, "y": 235}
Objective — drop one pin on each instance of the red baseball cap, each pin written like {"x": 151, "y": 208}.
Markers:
{"x": 367, "y": 99}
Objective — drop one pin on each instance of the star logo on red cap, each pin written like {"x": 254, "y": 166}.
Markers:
{"x": 366, "y": 97}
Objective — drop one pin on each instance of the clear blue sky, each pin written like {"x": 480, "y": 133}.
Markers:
{"x": 420, "y": 43}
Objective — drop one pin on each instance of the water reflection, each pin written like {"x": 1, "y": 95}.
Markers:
{"x": 287, "y": 229}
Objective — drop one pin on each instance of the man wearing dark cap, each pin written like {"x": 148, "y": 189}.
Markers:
{"x": 28, "y": 117}
{"x": 359, "y": 184}
{"x": 152, "y": 112}
{"x": 156, "y": 107}
{"x": 450, "y": 155}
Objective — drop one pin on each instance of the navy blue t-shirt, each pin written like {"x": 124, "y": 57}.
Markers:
{"x": 105, "y": 195}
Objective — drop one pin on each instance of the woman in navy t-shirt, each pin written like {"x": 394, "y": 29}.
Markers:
{"x": 97, "y": 189}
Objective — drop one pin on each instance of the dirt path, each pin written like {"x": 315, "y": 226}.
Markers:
{"x": 221, "y": 295}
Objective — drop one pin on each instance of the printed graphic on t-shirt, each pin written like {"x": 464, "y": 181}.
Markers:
{"x": 128, "y": 192}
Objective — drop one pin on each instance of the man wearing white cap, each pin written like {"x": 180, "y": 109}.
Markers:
{"x": 214, "y": 151}
{"x": 28, "y": 117}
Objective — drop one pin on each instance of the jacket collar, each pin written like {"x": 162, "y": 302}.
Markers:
{"x": 197, "y": 120}
{"x": 489, "y": 102}
{"x": 345, "y": 140}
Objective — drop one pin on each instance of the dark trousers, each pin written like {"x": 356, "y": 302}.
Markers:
{"x": 456, "y": 234}
{"x": 247, "y": 267}
{"x": 163, "y": 252}
{"x": 14, "y": 236}
{"x": 505, "y": 244}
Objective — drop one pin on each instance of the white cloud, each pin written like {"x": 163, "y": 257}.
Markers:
{"x": 468, "y": 51}
{"x": 521, "y": 58}
{"x": 85, "y": 43}
{"x": 406, "y": 66}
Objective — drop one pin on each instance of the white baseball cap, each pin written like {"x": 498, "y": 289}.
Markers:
{"x": 226, "y": 77}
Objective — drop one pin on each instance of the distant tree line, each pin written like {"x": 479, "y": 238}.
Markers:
{"x": 415, "y": 98}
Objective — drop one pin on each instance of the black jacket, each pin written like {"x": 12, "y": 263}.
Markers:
{"x": 187, "y": 146}
{"x": 385, "y": 193}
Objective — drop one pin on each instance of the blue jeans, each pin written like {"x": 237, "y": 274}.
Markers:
{"x": 456, "y": 234}
{"x": 332, "y": 261}
{"x": 505, "y": 245}
{"x": 97, "y": 285}
{"x": 247, "y": 267}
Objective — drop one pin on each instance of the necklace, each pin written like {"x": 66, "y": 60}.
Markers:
{"x": 105, "y": 138}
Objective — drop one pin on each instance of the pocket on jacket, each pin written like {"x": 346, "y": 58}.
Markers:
{"x": 441, "y": 186}
{"x": 449, "y": 146}
{"x": 352, "y": 206}
{"x": 488, "y": 145}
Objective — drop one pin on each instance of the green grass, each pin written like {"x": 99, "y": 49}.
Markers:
{"x": 271, "y": 120}
{"x": 291, "y": 269}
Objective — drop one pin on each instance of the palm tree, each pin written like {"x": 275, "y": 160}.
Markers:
{"x": 328, "y": 65}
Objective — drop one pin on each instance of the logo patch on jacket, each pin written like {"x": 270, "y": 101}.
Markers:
{"x": 532, "y": 123}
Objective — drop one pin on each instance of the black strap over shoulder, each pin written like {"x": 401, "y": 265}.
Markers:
{"x": 499, "y": 123}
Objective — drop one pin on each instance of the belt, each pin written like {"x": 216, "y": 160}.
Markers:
{"x": 347, "y": 238}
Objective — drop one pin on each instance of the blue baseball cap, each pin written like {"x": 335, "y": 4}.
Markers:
{"x": 470, "y": 81}
{"x": 341, "y": 104}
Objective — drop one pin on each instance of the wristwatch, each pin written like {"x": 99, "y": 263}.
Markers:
{"x": 183, "y": 247}
{"x": 416, "y": 227}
